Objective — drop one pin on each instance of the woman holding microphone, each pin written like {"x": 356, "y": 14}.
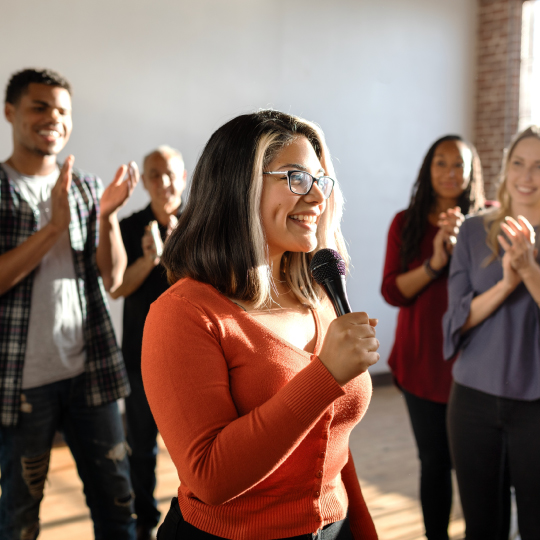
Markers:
{"x": 420, "y": 243}
{"x": 254, "y": 384}
{"x": 493, "y": 322}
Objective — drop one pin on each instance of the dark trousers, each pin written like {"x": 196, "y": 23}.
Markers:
{"x": 95, "y": 436}
{"x": 495, "y": 441}
{"x": 175, "y": 528}
{"x": 141, "y": 436}
{"x": 428, "y": 420}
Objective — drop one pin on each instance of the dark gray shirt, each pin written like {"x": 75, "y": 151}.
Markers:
{"x": 501, "y": 355}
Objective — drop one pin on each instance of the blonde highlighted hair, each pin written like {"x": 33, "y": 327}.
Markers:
{"x": 494, "y": 218}
{"x": 220, "y": 239}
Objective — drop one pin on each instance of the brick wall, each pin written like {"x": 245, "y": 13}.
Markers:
{"x": 497, "y": 84}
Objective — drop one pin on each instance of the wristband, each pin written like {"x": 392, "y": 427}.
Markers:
{"x": 431, "y": 272}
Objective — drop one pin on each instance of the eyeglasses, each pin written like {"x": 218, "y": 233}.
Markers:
{"x": 301, "y": 182}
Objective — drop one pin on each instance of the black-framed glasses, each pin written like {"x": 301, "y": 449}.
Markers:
{"x": 301, "y": 182}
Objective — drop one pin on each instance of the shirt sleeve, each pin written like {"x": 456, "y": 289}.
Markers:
{"x": 460, "y": 295}
{"x": 362, "y": 526}
{"x": 99, "y": 189}
{"x": 95, "y": 185}
{"x": 217, "y": 453}
{"x": 392, "y": 265}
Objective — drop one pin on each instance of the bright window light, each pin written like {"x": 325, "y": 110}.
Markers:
{"x": 529, "y": 94}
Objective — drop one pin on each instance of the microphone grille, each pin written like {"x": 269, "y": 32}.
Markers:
{"x": 327, "y": 263}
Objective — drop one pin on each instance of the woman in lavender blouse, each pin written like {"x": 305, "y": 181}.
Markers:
{"x": 493, "y": 321}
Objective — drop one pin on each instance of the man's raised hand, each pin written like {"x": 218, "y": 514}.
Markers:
{"x": 119, "y": 190}
{"x": 60, "y": 213}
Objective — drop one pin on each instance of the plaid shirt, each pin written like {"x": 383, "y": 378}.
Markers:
{"x": 105, "y": 374}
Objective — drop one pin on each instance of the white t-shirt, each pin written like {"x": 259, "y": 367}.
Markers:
{"x": 55, "y": 341}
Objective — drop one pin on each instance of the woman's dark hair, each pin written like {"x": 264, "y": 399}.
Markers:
{"x": 423, "y": 199}
{"x": 219, "y": 238}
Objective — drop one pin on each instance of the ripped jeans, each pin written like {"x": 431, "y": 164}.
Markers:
{"x": 95, "y": 437}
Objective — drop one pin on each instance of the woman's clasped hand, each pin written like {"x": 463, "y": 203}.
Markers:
{"x": 449, "y": 223}
{"x": 519, "y": 244}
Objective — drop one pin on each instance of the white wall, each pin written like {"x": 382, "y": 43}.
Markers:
{"x": 382, "y": 78}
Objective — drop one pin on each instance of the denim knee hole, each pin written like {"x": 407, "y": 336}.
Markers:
{"x": 124, "y": 501}
{"x": 117, "y": 452}
{"x": 34, "y": 473}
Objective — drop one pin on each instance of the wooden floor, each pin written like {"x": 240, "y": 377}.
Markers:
{"x": 384, "y": 454}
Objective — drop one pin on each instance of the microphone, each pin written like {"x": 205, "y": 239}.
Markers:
{"x": 328, "y": 269}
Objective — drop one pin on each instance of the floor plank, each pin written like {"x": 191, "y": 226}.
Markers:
{"x": 386, "y": 462}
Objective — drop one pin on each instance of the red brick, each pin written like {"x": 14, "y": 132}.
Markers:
{"x": 497, "y": 83}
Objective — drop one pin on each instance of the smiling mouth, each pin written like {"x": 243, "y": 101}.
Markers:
{"x": 305, "y": 218}
{"x": 50, "y": 134}
{"x": 525, "y": 190}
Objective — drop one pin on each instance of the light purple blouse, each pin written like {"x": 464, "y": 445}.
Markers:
{"x": 501, "y": 355}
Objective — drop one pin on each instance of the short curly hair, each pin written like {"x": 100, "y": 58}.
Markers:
{"x": 18, "y": 84}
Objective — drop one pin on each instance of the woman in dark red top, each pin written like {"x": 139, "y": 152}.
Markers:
{"x": 420, "y": 243}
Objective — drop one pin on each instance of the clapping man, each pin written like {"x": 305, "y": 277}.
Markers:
{"x": 60, "y": 366}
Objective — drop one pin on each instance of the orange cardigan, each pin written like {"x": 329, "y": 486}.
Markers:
{"x": 257, "y": 428}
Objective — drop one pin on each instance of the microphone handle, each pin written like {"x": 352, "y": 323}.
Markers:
{"x": 336, "y": 291}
